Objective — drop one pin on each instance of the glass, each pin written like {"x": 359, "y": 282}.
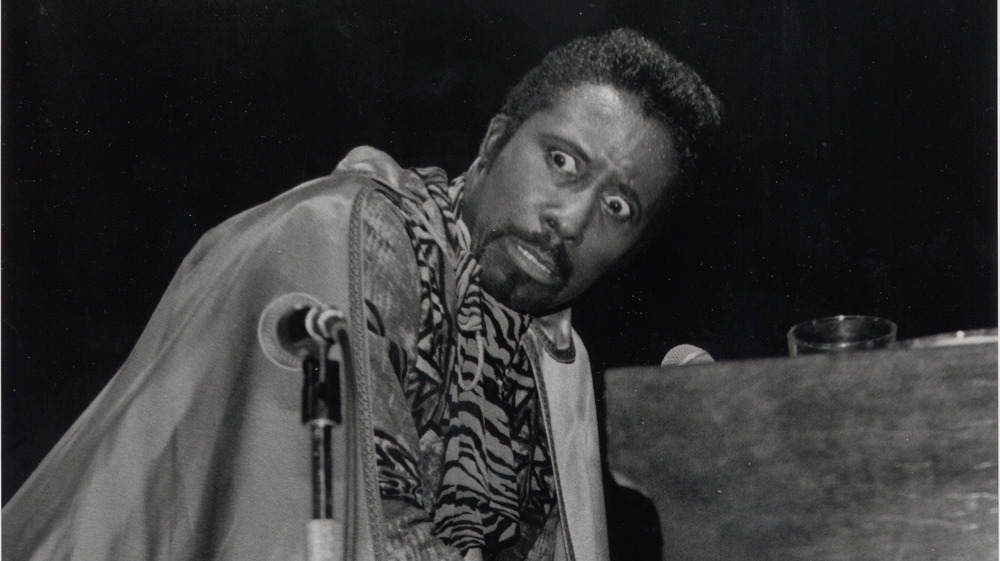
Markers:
{"x": 839, "y": 334}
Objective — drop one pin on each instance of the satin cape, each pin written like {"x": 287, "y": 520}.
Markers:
{"x": 195, "y": 449}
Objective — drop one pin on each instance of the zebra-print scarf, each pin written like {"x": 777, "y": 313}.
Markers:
{"x": 482, "y": 422}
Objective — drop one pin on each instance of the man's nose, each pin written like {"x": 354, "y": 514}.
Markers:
{"x": 569, "y": 214}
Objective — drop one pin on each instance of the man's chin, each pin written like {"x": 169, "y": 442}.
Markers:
{"x": 531, "y": 306}
{"x": 524, "y": 297}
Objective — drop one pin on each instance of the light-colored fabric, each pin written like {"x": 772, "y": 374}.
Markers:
{"x": 195, "y": 451}
{"x": 568, "y": 394}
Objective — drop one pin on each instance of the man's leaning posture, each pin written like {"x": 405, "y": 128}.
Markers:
{"x": 472, "y": 427}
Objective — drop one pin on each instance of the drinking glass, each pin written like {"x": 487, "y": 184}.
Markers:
{"x": 840, "y": 334}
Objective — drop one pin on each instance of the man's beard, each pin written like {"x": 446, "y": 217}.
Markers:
{"x": 505, "y": 281}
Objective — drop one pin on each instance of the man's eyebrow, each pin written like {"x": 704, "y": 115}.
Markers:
{"x": 576, "y": 147}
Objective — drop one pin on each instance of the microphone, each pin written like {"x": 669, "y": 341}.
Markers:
{"x": 291, "y": 324}
{"x": 686, "y": 354}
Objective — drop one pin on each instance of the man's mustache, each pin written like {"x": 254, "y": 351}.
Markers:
{"x": 549, "y": 248}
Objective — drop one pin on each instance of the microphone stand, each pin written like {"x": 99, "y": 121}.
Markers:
{"x": 321, "y": 412}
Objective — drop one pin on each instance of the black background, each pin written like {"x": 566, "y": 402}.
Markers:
{"x": 856, "y": 174}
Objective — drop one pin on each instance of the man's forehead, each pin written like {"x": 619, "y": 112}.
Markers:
{"x": 601, "y": 101}
{"x": 610, "y": 123}
{"x": 601, "y": 105}
{"x": 601, "y": 97}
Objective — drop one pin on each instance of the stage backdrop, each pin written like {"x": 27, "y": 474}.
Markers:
{"x": 856, "y": 174}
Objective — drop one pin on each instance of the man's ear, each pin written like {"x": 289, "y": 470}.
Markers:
{"x": 495, "y": 134}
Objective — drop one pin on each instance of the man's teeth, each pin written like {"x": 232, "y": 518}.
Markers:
{"x": 531, "y": 257}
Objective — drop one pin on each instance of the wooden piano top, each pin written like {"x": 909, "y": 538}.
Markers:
{"x": 874, "y": 455}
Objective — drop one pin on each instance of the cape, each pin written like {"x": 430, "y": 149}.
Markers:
{"x": 195, "y": 449}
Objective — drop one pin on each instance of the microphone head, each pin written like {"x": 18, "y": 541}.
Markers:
{"x": 686, "y": 354}
{"x": 282, "y": 332}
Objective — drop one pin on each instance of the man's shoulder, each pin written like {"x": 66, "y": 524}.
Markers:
{"x": 320, "y": 208}
{"x": 374, "y": 175}
{"x": 331, "y": 197}
{"x": 365, "y": 161}
{"x": 376, "y": 165}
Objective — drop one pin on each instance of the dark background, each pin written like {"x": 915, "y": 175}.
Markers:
{"x": 856, "y": 174}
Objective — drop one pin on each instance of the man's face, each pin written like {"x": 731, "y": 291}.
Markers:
{"x": 567, "y": 197}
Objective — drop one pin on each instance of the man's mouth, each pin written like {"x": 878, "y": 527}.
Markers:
{"x": 540, "y": 264}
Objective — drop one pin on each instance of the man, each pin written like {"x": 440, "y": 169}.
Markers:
{"x": 471, "y": 427}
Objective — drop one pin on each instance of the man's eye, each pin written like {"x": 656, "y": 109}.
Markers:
{"x": 617, "y": 207}
{"x": 563, "y": 162}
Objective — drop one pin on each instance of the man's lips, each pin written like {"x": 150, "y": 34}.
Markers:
{"x": 540, "y": 264}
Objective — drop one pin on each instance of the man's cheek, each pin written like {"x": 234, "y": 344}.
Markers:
{"x": 589, "y": 269}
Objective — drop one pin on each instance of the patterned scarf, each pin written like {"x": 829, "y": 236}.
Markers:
{"x": 472, "y": 392}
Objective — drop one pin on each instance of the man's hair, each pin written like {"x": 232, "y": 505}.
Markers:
{"x": 669, "y": 90}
